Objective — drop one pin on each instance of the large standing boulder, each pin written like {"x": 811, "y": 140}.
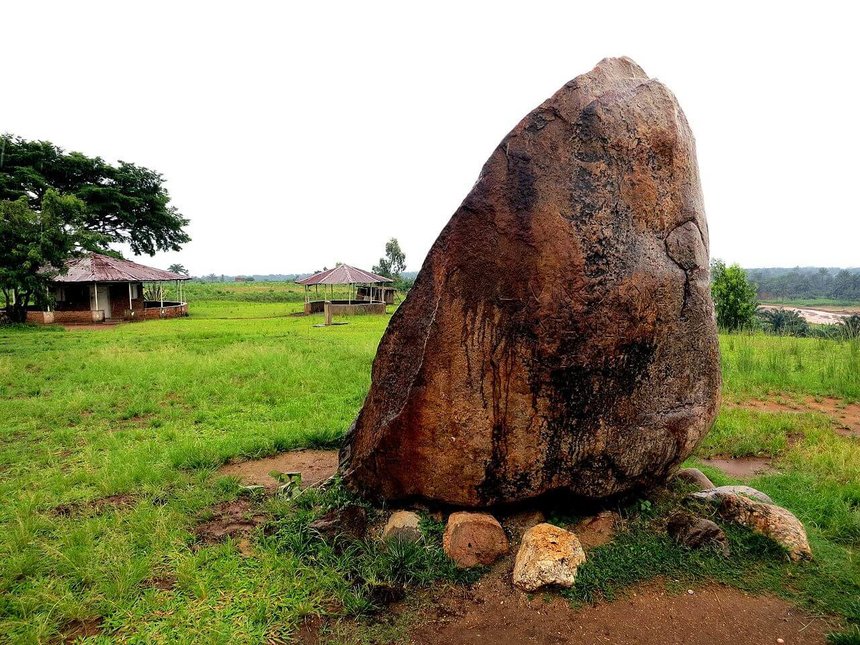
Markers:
{"x": 560, "y": 334}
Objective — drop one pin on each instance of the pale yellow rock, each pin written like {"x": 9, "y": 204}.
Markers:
{"x": 548, "y": 556}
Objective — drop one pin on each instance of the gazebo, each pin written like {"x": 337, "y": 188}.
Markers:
{"x": 362, "y": 292}
{"x": 99, "y": 288}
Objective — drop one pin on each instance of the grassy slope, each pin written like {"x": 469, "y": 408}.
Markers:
{"x": 151, "y": 409}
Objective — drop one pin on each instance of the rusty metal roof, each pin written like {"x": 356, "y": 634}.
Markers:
{"x": 102, "y": 268}
{"x": 343, "y": 274}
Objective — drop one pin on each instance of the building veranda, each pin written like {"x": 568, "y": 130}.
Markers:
{"x": 98, "y": 288}
{"x": 347, "y": 290}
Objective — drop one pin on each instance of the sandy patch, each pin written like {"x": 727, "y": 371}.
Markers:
{"x": 314, "y": 465}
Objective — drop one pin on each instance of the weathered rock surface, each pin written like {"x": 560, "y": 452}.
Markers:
{"x": 775, "y": 522}
{"x": 402, "y": 525}
{"x": 473, "y": 539}
{"x": 548, "y": 556}
{"x": 560, "y": 334}
{"x": 695, "y": 477}
{"x": 697, "y": 532}
{"x": 745, "y": 491}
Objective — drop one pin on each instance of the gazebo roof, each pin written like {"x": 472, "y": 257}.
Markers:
{"x": 102, "y": 268}
{"x": 343, "y": 274}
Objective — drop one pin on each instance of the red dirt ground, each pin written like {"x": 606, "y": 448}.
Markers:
{"x": 314, "y": 465}
{"x": 492, "y": 612}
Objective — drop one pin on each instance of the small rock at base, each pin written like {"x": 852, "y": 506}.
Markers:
{"x": 472, "y": 539}
{"x": 695, "y": 477}
{"x": 696, "y": 532}
{"x": 347, "y": 522}
{"x": 402, "y": 525}
{"x": 598, "y": 530}
{"x": 549, "y": 555}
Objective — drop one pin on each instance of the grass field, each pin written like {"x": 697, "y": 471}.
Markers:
{"x": 143, "y": 414}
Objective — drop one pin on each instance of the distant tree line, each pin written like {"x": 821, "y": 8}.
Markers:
{"x": 806, "y": 283}
{"x": 736, "y": 307}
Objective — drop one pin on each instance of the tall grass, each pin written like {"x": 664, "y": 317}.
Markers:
{"x": 756, "y": 365}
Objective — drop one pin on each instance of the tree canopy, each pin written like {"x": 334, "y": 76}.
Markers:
{"x": 36, "y": 245}
{"x": 392, "y": 265}
{"x": 734, "y": 296}
{"x": 124, "y": 203}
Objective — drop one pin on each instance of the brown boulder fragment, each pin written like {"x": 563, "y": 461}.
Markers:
{"x": 349, "y": 522}
{"x": 697, "y": 532}
{"x": 473, "y": 539}
{"x": 695, "y": 477}
{"x": 560, "y": 335}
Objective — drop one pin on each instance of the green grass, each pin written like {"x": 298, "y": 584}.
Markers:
{"x": 755, "y": 365}
{"x": 150, "y": 410}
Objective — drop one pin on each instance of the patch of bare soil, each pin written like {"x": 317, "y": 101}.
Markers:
{"x": 598, "y": 530}
{"x": 845, "y": 416}
{"x": 742, "y": 467}
{"x": 95, "y": 506}
{"x": 235, "y": 519}
{"x": 76, "y": 630}
{"x": 162, "y": 583}
{"x": 493, "y": 612}
{"x": 314, "y": 465}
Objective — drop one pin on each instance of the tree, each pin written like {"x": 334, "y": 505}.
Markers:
{"x": 392, "y": 265}
{"x": 734, "y": 296}
{"x": 850, "y": 326}
{"x": 177, "y": 268}
{"x": 124, "y": 203}
{"x": 36, "y": 245}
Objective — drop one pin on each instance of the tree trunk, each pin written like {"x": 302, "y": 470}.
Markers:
{"x": 16, "y": 313}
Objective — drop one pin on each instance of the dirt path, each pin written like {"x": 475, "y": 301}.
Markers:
{"x": 314, "y": 465}
{"x": 492, "y": 612}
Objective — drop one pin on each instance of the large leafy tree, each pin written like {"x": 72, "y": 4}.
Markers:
{"x": 124, "y": 203}
{"x": 392, "y": 265}
{"x": 36, "y": 245}
{"x": 734, "y": 296}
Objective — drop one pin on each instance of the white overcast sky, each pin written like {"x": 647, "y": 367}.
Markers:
{"x": 298, "y": 134}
